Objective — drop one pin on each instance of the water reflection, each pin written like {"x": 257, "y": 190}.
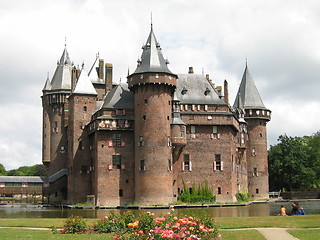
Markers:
{"x": 261, "y": 209}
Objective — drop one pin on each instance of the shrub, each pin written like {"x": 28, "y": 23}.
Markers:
{"x": 114, "y": 223}
{"x": 74, "y": 225}
{"x": 242, "y": 197}
{"x": 200, "y": 194}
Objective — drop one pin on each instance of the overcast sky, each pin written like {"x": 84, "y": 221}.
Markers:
{"x": 280, "y": 39}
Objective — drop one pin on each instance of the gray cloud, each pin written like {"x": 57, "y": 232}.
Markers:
{"x": 279, "y": 39}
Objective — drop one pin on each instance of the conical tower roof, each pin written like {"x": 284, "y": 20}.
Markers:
{"x": 47, "y": 85}
{"x": 248, "y": 96}
{"x": 84, "y": 85}
{"x": 62, "y": 77}
{"x": 152, "y": 59}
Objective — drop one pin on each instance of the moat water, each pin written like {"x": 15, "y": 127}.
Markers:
{"x": 260, "y": 209}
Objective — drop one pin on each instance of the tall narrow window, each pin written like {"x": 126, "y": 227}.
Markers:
{"x": 186, "y": 164}
{"x": 181, "y": 131}
{"x": 141, "y": 141}
{"x": 116, "y": 161}
{"x": 169, "y": 165}
{"x": 116, "y": 139}
{"x": 120, "y": 193}
{"x": 192, "y": 129}
{"x": 85, "y": 108}
{"x": 142, "y": 165}
{"x": 219, "y": 190}
{"x": 215, "y": 134}
{"x": 217, "y": 164}
{"x": 255, "y": 172}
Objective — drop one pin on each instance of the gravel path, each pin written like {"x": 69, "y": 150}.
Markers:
{"x": 276, "y": 234}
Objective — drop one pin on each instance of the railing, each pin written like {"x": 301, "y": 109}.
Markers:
{"x": 274, "y": 194}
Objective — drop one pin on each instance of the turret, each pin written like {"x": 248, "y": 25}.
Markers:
{"x": 55, "y": 115}
{"x": 82, "y": 102}
{"x": 257, "y": 116}
{"x": 153, "y": 85}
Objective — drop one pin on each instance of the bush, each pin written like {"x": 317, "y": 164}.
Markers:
{"x": 74, "y": 225}
{"x": 114, "y": 223}
{"x": 200, "y": 194}
{"x": 242, "y": 197}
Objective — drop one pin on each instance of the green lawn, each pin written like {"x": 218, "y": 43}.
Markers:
{"x": 225, "y": 224}
{"x": 306, "y": 234}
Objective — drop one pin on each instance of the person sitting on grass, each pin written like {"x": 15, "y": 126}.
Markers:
{"x": 282, "y": 211}
{"x": 301, "y": 211}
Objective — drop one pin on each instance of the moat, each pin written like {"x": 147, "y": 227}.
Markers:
{"x": 257, "y": 209}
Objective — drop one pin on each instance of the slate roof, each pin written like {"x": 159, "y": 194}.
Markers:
{"x": 47, "y": 85}
{"x": 93, "y": 73}
{"x": 119, "y": 97}
{"x": 248, "y": 96}
{"x": 195, "y": 89}
{"x": 62, "y": 76}
{"x": 152, "y": 59}
{"x": 23, "y": 179}
{"x": 84, "y": 85}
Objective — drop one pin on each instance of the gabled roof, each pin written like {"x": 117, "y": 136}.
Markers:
{"x": 62, "y": 76}
{"x": 119, "y": 97}
{"x": 195, "y": 89}
{"x": 248, "y": 96}
{"x": 152, "y": 59}
{"x": 84, "y": 85}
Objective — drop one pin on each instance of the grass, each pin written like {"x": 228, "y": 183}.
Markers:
{"x": 306, "y": 234}
{"x": 225, "y": 224}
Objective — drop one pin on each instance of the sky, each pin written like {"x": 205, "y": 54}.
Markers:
{"x": 278, "y": 39}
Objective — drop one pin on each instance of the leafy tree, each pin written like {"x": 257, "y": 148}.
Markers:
{"x": 3, "y": 171}
{"x": 293, "y": 163}
{"x": 35, "y": 170}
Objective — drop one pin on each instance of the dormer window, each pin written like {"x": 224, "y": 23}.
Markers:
{"x": 207, "y": 91}
{"x": 184, "y": 91}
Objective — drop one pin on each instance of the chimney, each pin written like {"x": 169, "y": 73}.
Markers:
{"x": 190, "y": 70}
{"x": 207, "y": 77}
{"x": 101, "y": 69}
{"x": 108, "y": 77}
{"x": 226, "y": 92}
{"x": 75, "y": 73}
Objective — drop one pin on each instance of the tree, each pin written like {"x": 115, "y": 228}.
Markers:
{"x": 293, "y": 163}
{"x": 3, "y": 171}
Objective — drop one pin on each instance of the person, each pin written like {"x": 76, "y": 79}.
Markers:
{"x": 295, "y": 208}
{"x": 301, "y": 211}
{"x": 282, "y": 211}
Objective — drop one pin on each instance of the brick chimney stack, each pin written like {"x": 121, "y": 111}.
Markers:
{"x": 190, "y": 70}
{"x": 108, "y": 77}
{"x": 226, "y": 92}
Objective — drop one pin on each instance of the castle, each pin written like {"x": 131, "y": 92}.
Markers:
{"x": 143, "y": 140}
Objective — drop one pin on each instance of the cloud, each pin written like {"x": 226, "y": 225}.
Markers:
{"x": 280, "y": 41}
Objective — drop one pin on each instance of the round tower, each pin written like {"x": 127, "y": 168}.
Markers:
{"x": 257, "y": 116}
{"x": 153, "y": 85}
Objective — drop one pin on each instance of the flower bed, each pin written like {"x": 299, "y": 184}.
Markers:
{"x": 147, "y": 226}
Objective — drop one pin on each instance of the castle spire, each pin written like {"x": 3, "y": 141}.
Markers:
{"x": 248, "y": 93}
{"x": 152, "y": 59}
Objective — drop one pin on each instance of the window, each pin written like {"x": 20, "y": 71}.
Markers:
{"x": 62, "y": 150}
{"x": 141, "y": 142}
{"x": 85, "y": 108}
{"x": 116, "y": 140}
{"x": 120, "y": 112}
{"x": 84, "y": 169}
{"x": 81, "y": 147}
{"x": 55, "y": 128}
{"x": 116, "y": 161}
{"x": 169, "y": 165}
{"x": 168, "y": 141}
{"x": 81, "y": 125}
{"x": 142, "y": 165}
{"x": 219, "y": 190}
{"x": 144, "y": 117}
{"x": 253, "y": 152}
{"x": 146, "y": 101}
{"x": 215, "y": 134}
{"x": 242, "y": 138}
{"x": 192, "y": 129}
{"x": 186, "y": 164}
{"x": 181, "y": 131}
{"x": 255, "y": 172}
{"x": 120, "y": 193}
{"x": 217, "y": 164}
{"x": 257, "y": 190}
